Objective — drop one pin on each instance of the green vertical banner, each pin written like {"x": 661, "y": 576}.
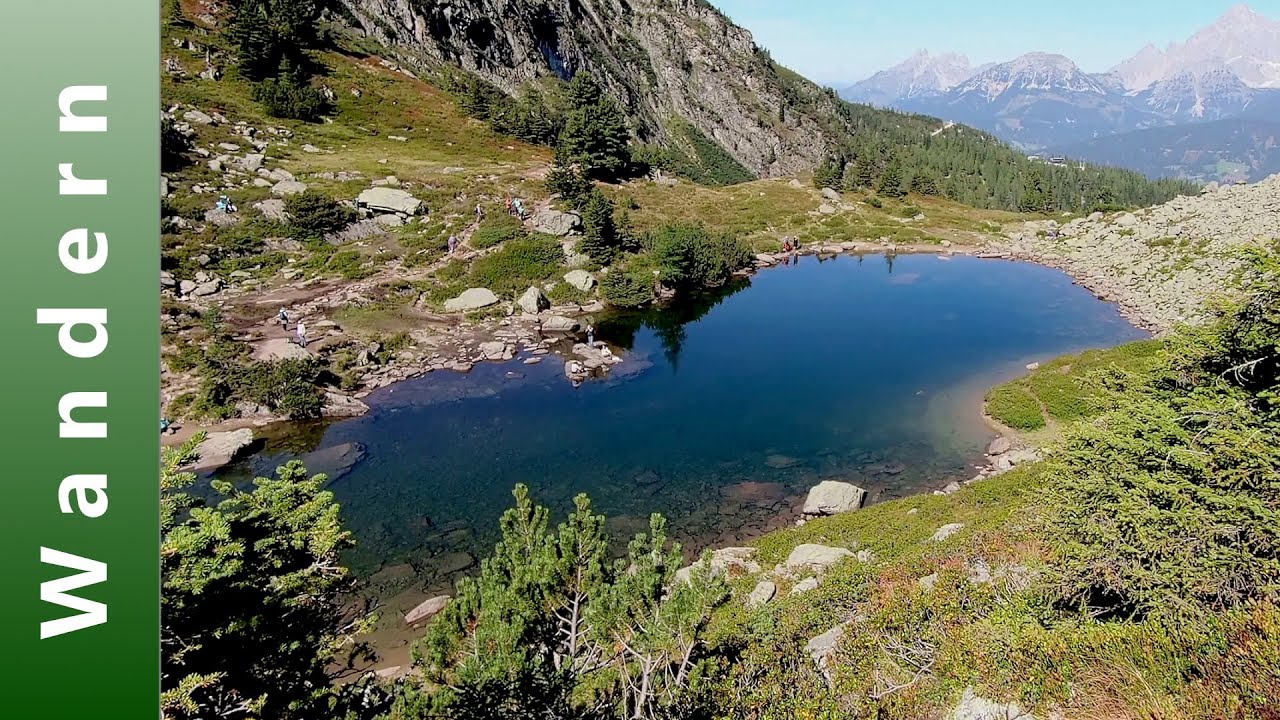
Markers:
{"x": 80, "y": 208}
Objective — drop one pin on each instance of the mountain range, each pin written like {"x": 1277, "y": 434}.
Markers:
{"x": 1044, "y": 102}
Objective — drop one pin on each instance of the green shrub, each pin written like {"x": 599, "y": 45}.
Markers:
{"x": 875, "y": 202}
{"x": 562, "y": 293}
{"x": 1063, "y": 396}
{"x": 689, "y": 256}
{"x": 287, "y": 386}
{"x": 349, "y": 264}
{"x": 316, "y": 213}
{"x": 627, "y": 289}
{"x": 286, "y": 98}
{"x": 495, "y": 230}
{"x": 518, "y": 264}
{"x": 1014, "y": 406}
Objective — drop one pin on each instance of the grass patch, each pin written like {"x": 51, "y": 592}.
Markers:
{"x": 1014, "y": 406}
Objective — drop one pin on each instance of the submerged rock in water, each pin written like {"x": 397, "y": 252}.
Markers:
{"x": 831, "y": 497}
{"x": 781, "y": 462}
{"x": 427, "y": 610}
{"x": 334, "y": 461}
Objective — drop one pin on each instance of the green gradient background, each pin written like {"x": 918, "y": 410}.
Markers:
{"x": 110, "y": 670}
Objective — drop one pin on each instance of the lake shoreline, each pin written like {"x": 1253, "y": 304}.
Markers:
{"x": 519, "y": 329}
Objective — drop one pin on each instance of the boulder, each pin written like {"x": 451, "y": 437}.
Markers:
{"x": 389, "y": 200}
{"x": 252, "y": 161}
{"x": 554, "y": 222}
{"x": 272, "y": 209}
{"x": 974, "y": 707}
{"x": 763, "y": 593}
{"x": 559, "y": 323}
{"x": 334, "y": 461}
{"x": 340, "y": 405}
{"x": 831, "y": 497}
{"x": 826, "y": 209}
{"x": 210, "y": 287}
{"x": 288, "y": 187}
{"x": 947, "y": 531}
{"x": 580, "y": 279}
{"x": 999, "y": 446}
{"x": 804, "y": 586}
{"x": 830, "y": 194}
{"x": 197, "y": 117}
{"x": 724, "y": 561}
{"x": 533, "y": 301}
{"x": 822, "y": 647}
{"x": 816, "y": 557}
{"x": 220, "y": 448}
{"x": 426, "y": 610}
{"x": 185, "y": 287}
{"x": 494, "y": 350}
{"x": 471, "y": 299}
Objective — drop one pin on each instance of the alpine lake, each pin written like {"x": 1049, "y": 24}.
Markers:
{"x": 727, "y": 408}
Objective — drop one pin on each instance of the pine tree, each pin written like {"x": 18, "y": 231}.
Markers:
{"x": 599, "y": 234}
{"x": 890, "y": 182}
{"x": 595, "y": 134}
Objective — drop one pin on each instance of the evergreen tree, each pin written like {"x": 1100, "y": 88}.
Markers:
{"x": 599, "y": 234}
{"x": 595, "y": 134}
{"x": 829, "y": 173}
{"x": 925, "y": 183}
{"x": 890, "y": 182}
{"x": 267, "y": 33}
{"x": 1036, "y": 195}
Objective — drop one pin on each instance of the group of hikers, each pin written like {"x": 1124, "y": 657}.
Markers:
{"x": 225, "y": 204}
{"x": 300, "y": 331}
{"x": 790, "y": 246}
{"x": 515, "y": 206}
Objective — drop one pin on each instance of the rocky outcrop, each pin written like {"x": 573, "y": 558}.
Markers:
{"x": 580, "y": 279}
{"x": 816, "y": 557}
{"x": 974, "y": 707}
{"x": 671, "y": 63}
{"x": 1160, "y": 264}
{"x": 533, "y": 301}
{"x": 762, "y": 593}
{"x": 426, "y": 610}
{"x": 389, "y": 200}
{"x": 554, "y": 222}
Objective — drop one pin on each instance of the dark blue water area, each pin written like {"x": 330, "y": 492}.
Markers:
{"x": 727, "y": 409}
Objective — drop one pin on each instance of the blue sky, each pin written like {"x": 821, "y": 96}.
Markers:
{"x": 838, "y": 42}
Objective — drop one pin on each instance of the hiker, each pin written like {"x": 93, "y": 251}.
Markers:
{"x": 510, "y": 207}
{"x": 453, "y": 243}
{"x": 479, "y": 213}
{"x": 302, "y": 334}
{"x": 591, "y": 334}
{"x": 605, "y": 352}
{"x": 538, "y": 323}
{"x": 283, "y": 317}
{"x": 223, "y": 203}
{"x": 786, "y": 245}
{"x": 519, "y": 205}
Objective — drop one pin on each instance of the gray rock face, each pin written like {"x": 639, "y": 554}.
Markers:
{"x": 340, "y": 405}
{"x": 721, "y": 93}
{"x": 831, "y": 195}
{"x": 220, "y": 448}
{"x": 554, "y": 222}
{"x": 580, "y": 279}
{"x": 389, "y": 200}
{"x": 725, "y": 561}
{"x": 762, "y": 593}
{"x": 197, "y": 117}
{"x": 472, "y": 299}
{"x": 816, "y": 557}
{"x": 207, "y": 288}
{"x": 831, "y": 497}
{"x": 272, "y": 209}
{"x": 533, "y": 301}
{"x": 426, "y": 610}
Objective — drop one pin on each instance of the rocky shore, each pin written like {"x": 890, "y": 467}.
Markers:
{"x": 1159, "y": 264}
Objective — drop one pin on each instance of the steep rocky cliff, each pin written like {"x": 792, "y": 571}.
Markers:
{"x": 663, "y": 59}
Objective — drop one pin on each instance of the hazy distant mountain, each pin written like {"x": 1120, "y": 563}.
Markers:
{"x": 1230, "y": 69}
{"x": 920, "y": 75}
{"x": 1242, "y": 41}
{"x": 1223, "y": 150}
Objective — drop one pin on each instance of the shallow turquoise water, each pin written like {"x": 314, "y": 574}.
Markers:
{"x": 728, "y": 409}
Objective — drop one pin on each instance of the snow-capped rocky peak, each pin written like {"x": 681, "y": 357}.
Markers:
{"x": 1033, "y": 72}
{"x": 1246, "y": 43}
{"x": 1206, "y": 92}
{"x": 921, "y": 74}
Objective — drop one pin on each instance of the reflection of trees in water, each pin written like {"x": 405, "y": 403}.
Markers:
{"x": 667, "y": 321}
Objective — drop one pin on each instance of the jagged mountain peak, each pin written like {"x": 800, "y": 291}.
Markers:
{"x": 920, "y": 74}
{"x": 1031, "y": 72}
{"x": 1242, "y": 40}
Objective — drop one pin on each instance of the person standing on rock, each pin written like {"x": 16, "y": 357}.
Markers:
{"x": 283, "y": 317}
{"x": 302, "y": 334}
{"x": 591, "y": 334}
{"x": 453, "y": 243}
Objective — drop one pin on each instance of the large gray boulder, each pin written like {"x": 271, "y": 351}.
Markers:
{"x": 220, "y": 448}
{"x": 554, "y": 222}
{"x": 580, "y": 279}
{"x": 830, "y": 194}
{"x": 288, "y": 187}
{"x": 389, "y": 200}
{"x": 533, "y": 301}
{"x": 559, "y": 323}
{"x": 762, "y": 593}
{"x": 823, "y": 647}
{"x": 472, "y": 299}
{"x": 816, "y": 557}
{"x": 725, "y": 561}
{"x": 831, "y": 497}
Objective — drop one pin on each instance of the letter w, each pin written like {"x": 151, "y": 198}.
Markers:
{"x": 92, "y": 613}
